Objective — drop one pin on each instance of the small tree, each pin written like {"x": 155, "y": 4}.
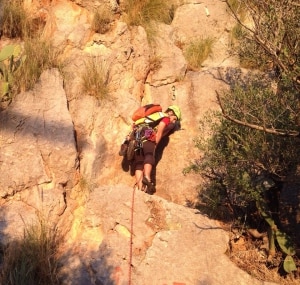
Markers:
{"x": 270, "y": 36}
{"x": 254, "y": 140}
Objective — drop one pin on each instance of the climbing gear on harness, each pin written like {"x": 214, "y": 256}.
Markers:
{"x": 144, "y": 129}
{"x": 142, "y": 133}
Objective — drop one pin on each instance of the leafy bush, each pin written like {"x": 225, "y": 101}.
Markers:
{"x": 197, "y": 51}
{"x": 252, "y": 141}
{"x": 237, "y": 154}
{"x": 95, "y": 78}
{"x": 270, "y": 34}
{"x": 33, "y": 258}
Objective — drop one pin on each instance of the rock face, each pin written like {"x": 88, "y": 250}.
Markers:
{"x": 170, "y": 244}
{"x": 38, "y": 152}
{"x": 59, "y": 151}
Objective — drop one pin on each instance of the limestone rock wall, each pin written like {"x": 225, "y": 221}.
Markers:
{"x": 59, "y": 150}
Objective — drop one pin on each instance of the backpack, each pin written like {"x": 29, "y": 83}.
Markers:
{"x": 149, "y": 114}
{"x": 145, "y": 111}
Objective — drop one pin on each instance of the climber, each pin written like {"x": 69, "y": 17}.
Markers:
{"x": 144, "y": 160}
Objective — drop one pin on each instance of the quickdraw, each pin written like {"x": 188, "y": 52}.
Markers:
{"x": 173, "y": 93}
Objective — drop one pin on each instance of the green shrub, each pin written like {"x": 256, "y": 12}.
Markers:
{"x": 33, "y": 258}
{"x": 197, "y": 51}
{"x": 270, "y": 35}
{"x": 234, "y": 156}
{"x": 10, "y": 62}
{"x": 95, "y": 78}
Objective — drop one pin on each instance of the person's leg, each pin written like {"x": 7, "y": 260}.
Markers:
{"x": 139, "y": 178}
{"x": 149, "y": 162}
{"x": 147, "y": 170}
{"x": 139, "y": 168}
{"x": 149, "y": 158}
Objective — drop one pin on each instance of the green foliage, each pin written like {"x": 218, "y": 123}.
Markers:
{"x": 270, "y": 35}
{"x": 18, "y": 74}
{"x": 197, "y": 51}
{"x": 238, "y": 32}
{"x": 32, "y": 259}
{"x": 233, "y": 157}
{"x": 86, "y": 186}
{"x": 236, "y": 156}
{"x": 95, "y": 78}
{"x": 255, "y": 138}
{"x": 289, "y": 264}
{"x": 10, "y": 62}
{"x": 284, "y": 241}
{"x": 251, "y": 56}
{"x": 255, "y": 103}
{"x": 224, "y": 172}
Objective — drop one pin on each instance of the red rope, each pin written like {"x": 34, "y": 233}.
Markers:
{"x": 131, "y": 235}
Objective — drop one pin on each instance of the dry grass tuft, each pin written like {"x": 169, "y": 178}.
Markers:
{"x": 147, "y": 13}
{"x": 101, "y": 21}
{"x": 16, "y": 23}
{"x": 40, "y": 55}
{"x": 95, "y": 78}
{"x": 197, "y": 51}
{"x": 155, "y": 62}
{"x": 33, "y": 258}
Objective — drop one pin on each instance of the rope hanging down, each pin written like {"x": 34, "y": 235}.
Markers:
{"x": 131, "y": 236}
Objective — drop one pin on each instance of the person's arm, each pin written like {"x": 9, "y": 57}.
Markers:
{"x": 160, "y": 129}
